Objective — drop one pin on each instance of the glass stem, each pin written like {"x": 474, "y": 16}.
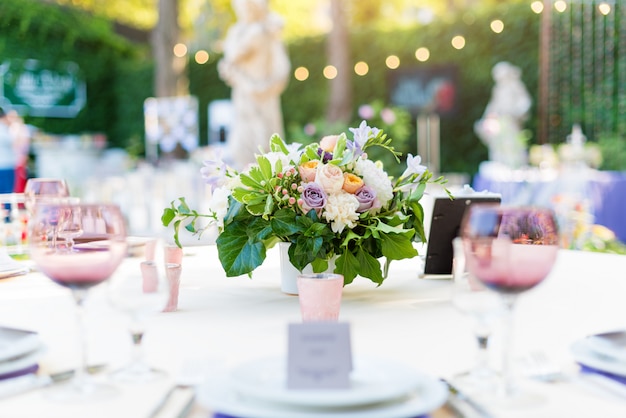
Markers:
{"x": 482, "y": 334}
{"x": 508, "y": 381}
{"x": 136, "y": 333}
{"x": 80, "y": 373}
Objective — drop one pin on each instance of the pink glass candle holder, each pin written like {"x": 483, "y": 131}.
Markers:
{"x": 319, "y": 295}
{"x": 173, "y": 271}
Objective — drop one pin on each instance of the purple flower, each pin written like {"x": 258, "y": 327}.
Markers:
{"x": 361, "y": 135}
{"x": 214, "y": 172}
{"x": 367, "y": 199}
{"x": 313, "y": 197}
{"x": 326, "y": 156}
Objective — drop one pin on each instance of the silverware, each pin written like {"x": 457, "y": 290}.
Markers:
{"x": 461, "y": 397}
{"x": 31, "y": 381}
{"x": 166, "y": 397}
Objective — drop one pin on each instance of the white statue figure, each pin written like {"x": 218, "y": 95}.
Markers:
{"x": 256, "y": 66}
{"x": 501, "y": 126}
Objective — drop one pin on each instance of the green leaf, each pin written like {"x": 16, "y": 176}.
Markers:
{"x": 240, "y": 250}
{"x": 347, "y": 265}
{"x": 278, "y": 145}
{"x": 265, "y": 166}
{"x": 284, "y": 223}
{"x": 397, "y": 246}
{"x": 168, "y": 216}
{"x": 369, "y": 267}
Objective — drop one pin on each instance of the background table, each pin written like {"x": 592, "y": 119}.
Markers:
{"x": 225, "y": 321}
{"x": 605, "y": 190}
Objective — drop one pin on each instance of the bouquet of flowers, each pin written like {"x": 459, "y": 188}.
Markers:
{"x": 327, "y": 199}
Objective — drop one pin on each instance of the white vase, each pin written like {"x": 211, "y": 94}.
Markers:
{"x": 289, "y": 274}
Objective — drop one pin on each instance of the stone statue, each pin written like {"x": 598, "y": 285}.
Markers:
{"x": 500, "y": 128}
{"x": 256, "y": 66}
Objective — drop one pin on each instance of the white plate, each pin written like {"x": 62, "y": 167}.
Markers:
{"x": 219, "y": 396}
{"x": 584, "y": 353}
{"x": 22, "y": 362}
{"x": 610, "y": 344}
{"x": 17, "y": 342}
{"x": 372, "y": 381}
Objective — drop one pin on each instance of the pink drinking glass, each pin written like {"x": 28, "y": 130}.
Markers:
{"x": 78, "y": 246}
{"x": 319, "y": 295}
{"x": 510, "y": 250}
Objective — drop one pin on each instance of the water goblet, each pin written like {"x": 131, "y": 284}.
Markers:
{"x": 78, "y": 261}
{"x": 510, "y": 250}
{"x": 140, "y": 293}
{"x": 484, "y": 307}
{"x": 41, "y": 188}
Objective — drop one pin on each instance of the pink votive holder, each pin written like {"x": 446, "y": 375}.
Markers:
{"x": 173, "y": 272}
{"x": 173, "y": 254}
{"x": 319, "y": 295}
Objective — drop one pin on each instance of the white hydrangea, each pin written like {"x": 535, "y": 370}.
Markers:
{"x": 376, "y": 178}
{"x": 341, "y": 211}
{"x": 273, "y": 157}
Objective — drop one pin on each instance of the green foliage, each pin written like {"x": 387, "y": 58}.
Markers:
{"x": 115, "y": 71}
{"x": 613, "y": 148}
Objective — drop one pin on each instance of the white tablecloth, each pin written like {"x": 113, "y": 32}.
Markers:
{"x": 224, "y": 321}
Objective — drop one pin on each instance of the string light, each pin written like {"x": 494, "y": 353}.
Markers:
{"x": 536, "y": 6}
{"x": 497, "y": 26}
{"x": 361, "y": 68}
{"x": 604, "y": 8}
{"x": 180, "y": 50}
{"x": 301, "y": 73}
{"x": 202, "y": 57}
{"x": 330, "y": 72}
{"x": 422, "y": 54}
{"x": 458, "y": 42}
{"x": 560, "y": 6}
{"x": 392, "y": 62}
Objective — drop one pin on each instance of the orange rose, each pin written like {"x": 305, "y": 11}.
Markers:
{"x": 307, "y": 170}
{"x": 351, "y": 183}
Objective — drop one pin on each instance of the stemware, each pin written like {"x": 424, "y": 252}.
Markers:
{"x": 484, "y": 307}
{"x": 78, "y": 258}
{"x": 38, "y": 188}
{"x": 139, "y": 293}
{"x": 510, "y": 250}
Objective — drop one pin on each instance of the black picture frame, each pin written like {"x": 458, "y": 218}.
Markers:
{"x": 444, "y": 227}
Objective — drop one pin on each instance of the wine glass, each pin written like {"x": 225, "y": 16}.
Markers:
{"x": 38, "y": 188}
{"x": 510, "y": 250}
{"x": 484, "y": 307}
{"x": 78, "y": 260}
{"x": 140, "y": 292}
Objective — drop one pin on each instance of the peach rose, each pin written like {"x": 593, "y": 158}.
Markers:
{"x": 330, "y": 177}
{"x": 328, "y": 143}
{"x": 352, "y": 183}
{"x": 307, "y": 170}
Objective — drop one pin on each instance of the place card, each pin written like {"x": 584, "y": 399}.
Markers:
{"x": 319, "y": 355}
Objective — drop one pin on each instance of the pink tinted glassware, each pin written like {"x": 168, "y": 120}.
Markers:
{"x": 319, "y": 295}
{"x": 78, "y": 246}
{"x": 40, "y": 188}
{"x": 510, "y": 250}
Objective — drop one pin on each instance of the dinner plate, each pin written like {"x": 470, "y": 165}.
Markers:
{"x": 610, "y": 344}
{"x": 218, "y": 395}
{"x": 584, "y": 353}
{"x": 373, "y": 380}
{"x": 20, "y": 363}
{"x": 17, "y": 342}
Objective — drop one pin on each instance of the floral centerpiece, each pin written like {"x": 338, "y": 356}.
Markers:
{"x": 327, "y": 199}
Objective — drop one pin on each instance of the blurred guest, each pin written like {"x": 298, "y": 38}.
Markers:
{"x": 256, "y": 67}
{"x": 21, "y": 145}
{"x": 8, "y": 156}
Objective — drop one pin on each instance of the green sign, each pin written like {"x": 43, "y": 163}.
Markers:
{"x": 32, "y": 89}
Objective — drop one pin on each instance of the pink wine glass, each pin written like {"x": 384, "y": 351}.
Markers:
{"x": 41, "y": 188}
{"x": 78, "y": 246}
{"x": 510, "y": 250}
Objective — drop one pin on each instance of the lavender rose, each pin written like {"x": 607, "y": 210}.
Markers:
{"x": 313, "y": 197}
{"x": 367, "y": 199}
